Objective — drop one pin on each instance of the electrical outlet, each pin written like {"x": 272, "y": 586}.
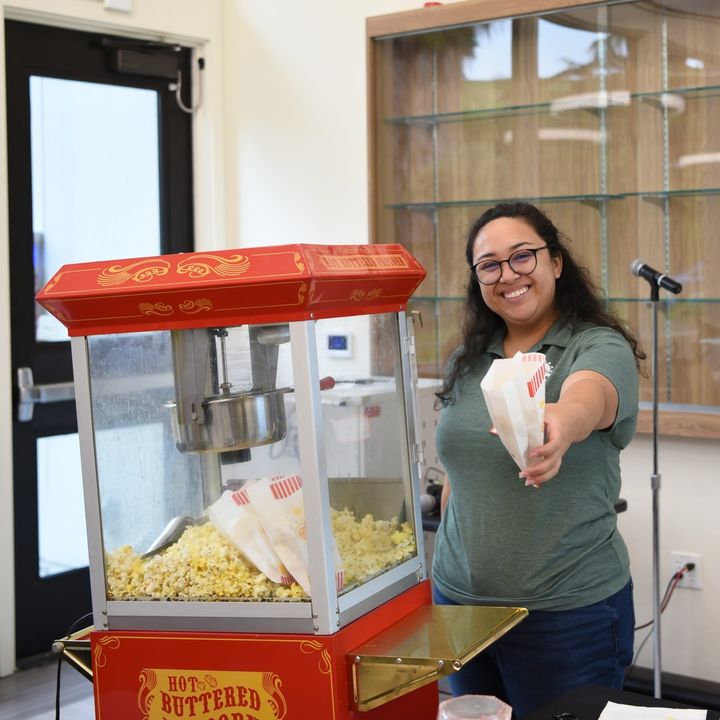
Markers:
{"x": 692, "y": 578}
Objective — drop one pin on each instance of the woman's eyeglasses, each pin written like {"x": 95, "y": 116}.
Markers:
{"x": 521, "y": 262}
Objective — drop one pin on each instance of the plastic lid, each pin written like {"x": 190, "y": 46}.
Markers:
{"x": 474, "y": 707}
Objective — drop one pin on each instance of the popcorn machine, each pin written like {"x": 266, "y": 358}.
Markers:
{"x": 232, "y": 576}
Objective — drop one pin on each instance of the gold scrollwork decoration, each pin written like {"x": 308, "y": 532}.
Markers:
{"x": 52, "y": 282}
{"x": 199, "y": 266}
{"x": 58, "y": 313}
{"x": 359, "y": 295}
{"x": 299, "y": 264}
{"x": 141, "y": 272}
{"x": 148, "y": 681}
{"x": 192, "y": 307}
{"x": 105, "y": 643}
{"x": 271, "y": 684}
{"x": 324, "y": 664}
{"x": 160, "y": 308}
{"x": 301, "y": 293}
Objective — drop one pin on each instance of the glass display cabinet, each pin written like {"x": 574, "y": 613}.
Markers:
{"x": 253, "y": 520}
{"x": 600, "y": 113}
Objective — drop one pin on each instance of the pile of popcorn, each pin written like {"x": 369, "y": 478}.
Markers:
{"x": 203, "y": 565}
{"x": 369, "y": 546}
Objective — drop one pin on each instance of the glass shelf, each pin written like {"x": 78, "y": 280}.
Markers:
{"x": 680, "y": 407}
{"x": 461, "y": 116}
{"x": 430, "y": 205}
{"x": 674, "y": 98}
{"x": 666, "y": 300}
{"x": 595, "y": 199}
{"x": 587, "y": 102}
{"x": 661, "y": 194}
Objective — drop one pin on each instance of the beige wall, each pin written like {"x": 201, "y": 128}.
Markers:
{"x": 281, "y": 156}
{"x": 296, "y": 120}
{"x": 689, "y": 498}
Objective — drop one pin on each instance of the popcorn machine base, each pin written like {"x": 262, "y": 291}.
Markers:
{"x": 244, "y": 676}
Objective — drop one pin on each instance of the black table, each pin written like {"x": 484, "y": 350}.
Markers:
{"x": 588, "y": 703}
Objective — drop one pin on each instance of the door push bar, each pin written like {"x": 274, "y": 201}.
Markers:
{"x": 30, "y": 394}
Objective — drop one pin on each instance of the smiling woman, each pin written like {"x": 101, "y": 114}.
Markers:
{"x": 556, "y": 551}
{"x": 521, "y": 289}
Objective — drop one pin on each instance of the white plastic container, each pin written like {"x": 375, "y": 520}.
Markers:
{"x": 474, "y": 707}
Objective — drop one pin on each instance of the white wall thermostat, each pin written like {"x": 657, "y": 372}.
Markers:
{"x": 121, "y": 5}
{"x": 339, "y": 345}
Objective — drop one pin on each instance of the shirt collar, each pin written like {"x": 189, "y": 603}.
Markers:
{"x": 559, "y": 334}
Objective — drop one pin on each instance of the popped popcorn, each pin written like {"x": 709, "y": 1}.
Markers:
{"x": 203, "y": 565}
{"x": 370, "y": 546}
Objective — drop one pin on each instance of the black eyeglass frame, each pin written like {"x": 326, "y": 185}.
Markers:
{"x": 508, "y": 260}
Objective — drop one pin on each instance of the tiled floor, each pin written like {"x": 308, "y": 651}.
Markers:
{"x": 30, "y": 694}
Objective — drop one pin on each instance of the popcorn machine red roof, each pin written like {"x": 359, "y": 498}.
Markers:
{"x": 239, "y": 569}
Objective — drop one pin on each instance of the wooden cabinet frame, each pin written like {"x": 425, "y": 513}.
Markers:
{"x": 650, "y": 189}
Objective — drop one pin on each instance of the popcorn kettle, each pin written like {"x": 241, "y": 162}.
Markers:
{"x": 208, "y": 416}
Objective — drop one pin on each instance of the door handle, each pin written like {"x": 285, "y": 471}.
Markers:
{"x": 30, "y": 394}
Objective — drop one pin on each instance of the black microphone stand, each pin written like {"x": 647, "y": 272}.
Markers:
{"x": 656, "y": 280}
{"x": 655, "y": 486}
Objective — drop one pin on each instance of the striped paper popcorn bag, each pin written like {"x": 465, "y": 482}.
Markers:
{"x": 232, "y": 517}
{"x": 514, "y": 391}
{"x": 278, "y": 504}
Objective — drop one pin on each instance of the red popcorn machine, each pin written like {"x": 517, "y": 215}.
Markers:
{"x": 244, "y": 565}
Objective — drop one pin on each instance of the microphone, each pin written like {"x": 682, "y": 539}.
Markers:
{"x": 428, "y": 504}
{"x": 640, "y": 269}
{"x": 430, "y": 499}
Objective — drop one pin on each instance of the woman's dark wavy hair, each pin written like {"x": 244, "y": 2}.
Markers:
{"x": 576, "y": 296}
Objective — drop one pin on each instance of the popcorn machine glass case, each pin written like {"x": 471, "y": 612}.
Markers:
{"x": 202, "y": 489}
{"x": 220, "y": 491}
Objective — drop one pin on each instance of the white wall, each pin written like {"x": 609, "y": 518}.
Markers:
{"x": 689, "y": 498}
{"x": 194, "y": 23}
{"x": 296, "y": 125}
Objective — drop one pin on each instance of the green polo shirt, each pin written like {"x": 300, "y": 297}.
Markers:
{"x": 556, "y": 547}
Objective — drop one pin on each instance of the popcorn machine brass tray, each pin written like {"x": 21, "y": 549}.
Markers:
{"x": 75, "y": 650}
{"x": 431, "y": 642}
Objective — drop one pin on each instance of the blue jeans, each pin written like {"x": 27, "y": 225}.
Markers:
{"x": 552, "y": 652}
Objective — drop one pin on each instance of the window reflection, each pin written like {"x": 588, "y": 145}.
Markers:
{"x": 492, "y": 54}
{"x": 95, "y": 177}
{"x": 62, "y": 541}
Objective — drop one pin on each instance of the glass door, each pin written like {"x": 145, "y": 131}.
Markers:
{"x": 99, "y": 167}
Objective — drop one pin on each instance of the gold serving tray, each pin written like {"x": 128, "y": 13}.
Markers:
{"x": 430, "y": 643}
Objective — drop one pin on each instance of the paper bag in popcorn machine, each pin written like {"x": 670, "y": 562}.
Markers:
{"x": 237, "y": 569}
